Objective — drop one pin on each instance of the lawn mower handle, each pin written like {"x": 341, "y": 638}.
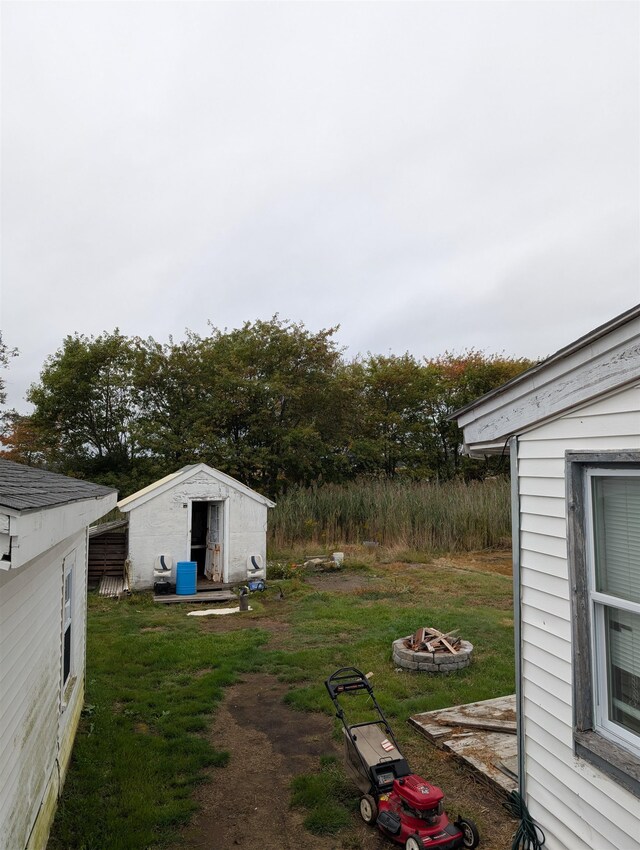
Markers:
{"x": 347, "y": 679}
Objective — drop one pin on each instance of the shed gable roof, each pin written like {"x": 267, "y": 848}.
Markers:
{"x": 182, "y": 475}
{"x": 24, "y": 488}
{"x": 601, "y": 362}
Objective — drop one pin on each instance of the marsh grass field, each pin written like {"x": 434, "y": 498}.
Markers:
{"x": 424, "y": 517}
{"x": 146, "y": 755}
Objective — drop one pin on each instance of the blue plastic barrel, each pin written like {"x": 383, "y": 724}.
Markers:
{"x": 186, "y": 578}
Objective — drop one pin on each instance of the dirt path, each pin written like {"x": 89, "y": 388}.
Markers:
{"x": 246, "y": 804}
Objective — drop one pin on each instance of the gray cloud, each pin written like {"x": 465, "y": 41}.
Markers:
{"x": 429, "y": 176}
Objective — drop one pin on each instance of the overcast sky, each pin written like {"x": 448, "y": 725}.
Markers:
{"x": 430, "y": 176}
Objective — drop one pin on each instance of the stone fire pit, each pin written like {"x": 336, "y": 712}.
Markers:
{"x": 430, "y": 651}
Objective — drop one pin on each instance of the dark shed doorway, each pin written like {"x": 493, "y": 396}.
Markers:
{"x": 206, "y": 539}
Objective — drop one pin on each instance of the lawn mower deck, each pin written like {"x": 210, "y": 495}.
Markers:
{"x": 403, "y": 805}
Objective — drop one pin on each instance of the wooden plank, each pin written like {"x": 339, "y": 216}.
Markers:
{"x": 110, "y": 562}
{"x": 111, "y": 586}
{"x": 471, "y": 741}
{"x": 110, "y": 552}
{"x": 201, "y": 596}
{"x": 101, "y": 562}
{"x": 500, "y": 710}
{"x": 462, "y": 722}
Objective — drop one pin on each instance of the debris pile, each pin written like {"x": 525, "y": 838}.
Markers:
{"x": 324, "y": 563}
{"x": 431, "y": 640}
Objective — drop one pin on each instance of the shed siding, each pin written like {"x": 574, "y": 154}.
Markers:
{"x": 579, "y": 806}
{"x": 159, "y": 526}
{"x": 33, "y": 726}
{"x": 247, "y": 533}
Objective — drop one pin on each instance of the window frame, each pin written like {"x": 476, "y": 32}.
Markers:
{"x": 68, "y": 625}
{"x": 593, "y": 741}
{"x": 600, "y": 602}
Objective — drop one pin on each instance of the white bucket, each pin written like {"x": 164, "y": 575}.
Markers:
{"x": 338, "y": 558}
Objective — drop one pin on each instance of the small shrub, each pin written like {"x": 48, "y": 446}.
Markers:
{"x": 280, "y": 570}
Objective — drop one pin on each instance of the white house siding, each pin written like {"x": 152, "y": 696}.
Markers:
{"x": 160, "y": 526}
{"x": 34, "y": 730}
{"x": 564, "y": 792}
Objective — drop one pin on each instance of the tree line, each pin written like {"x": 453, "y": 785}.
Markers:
{"x": 271, "y": 403}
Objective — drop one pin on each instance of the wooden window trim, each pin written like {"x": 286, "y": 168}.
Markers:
{"x": 611, "y": 758}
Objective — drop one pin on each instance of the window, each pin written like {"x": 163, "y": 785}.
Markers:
{"x": 67, "y": 618}
{"x": 615, "y": 564}
{"x": 604, "y": 557}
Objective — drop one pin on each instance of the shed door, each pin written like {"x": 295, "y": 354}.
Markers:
{"x": 213, "y": 565}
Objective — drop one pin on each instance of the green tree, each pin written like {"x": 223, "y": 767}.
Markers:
{"x": 389, "y": 437}
{"x": 85, "y": 403}
{"x": 271, "y": 403}
{"x": 455, "y": 380}
{"x": 265, "y": 403}
{"x": 274, "y": 413}
{"x": 170, "y": 392}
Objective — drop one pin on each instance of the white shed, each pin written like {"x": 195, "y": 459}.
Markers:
{"x": 197, "y": 514}
{"x": 573, "y": 426}
{"x": 44, "y": 521}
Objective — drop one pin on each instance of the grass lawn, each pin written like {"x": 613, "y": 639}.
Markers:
{"x": 155, "y": 676}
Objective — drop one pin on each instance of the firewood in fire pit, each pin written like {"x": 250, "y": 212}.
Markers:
{"x": 433, "y": 640}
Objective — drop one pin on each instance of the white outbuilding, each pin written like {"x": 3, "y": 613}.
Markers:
{"x": 44, "y": 521}
{"x": 572, "y": 424}
{"x": 201, "y": 515}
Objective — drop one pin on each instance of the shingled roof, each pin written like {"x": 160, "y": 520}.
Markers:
{"x": 24, "y": 488}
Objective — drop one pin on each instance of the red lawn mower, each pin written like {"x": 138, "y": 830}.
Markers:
{"x": 404, "y": 807}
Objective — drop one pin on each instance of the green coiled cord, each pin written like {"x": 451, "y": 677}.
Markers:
{"x": 528, "y": 836}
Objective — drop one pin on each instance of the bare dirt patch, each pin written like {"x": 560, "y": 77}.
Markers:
{"x": 246, "y": 804}
{"x": 484, "y": 562}
{"x": 236, "y": 622}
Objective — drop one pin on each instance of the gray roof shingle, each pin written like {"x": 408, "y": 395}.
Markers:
{"x": 24, "y": 488}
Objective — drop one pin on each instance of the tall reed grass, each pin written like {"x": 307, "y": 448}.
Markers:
{"x": 447, "y": 517}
